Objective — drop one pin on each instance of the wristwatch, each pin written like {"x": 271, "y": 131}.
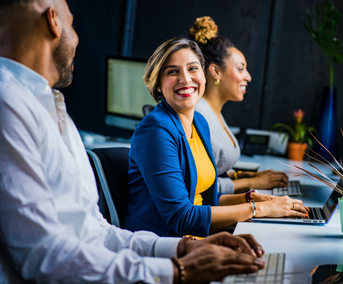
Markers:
{"x": 248, "y": 197}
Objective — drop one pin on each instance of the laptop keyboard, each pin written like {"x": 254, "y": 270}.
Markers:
{"x": 271, "y": 274}
{"x": 293, "y": 189}
{"x": 316, "y": 213}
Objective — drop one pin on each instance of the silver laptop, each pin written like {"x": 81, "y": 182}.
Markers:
{"x": 276, "y": 271}
{"x": 292, "y": 189}
{"x": 317, "y": 215}
{"x": 272, "y": 273}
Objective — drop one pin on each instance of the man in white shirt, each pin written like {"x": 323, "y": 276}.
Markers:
{"x": 50, "y": 224}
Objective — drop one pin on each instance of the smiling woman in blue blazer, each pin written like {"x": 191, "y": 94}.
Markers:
{"x": 173, "y": 177}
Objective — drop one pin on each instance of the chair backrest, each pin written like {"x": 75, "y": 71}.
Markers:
{"x": 106, "y": 204}
{"x": 111, "y": 167}
{"x": 147, "y": 108}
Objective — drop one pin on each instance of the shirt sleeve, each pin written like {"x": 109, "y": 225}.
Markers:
{"x": 156, "y": 152}
{"x": 143, "y": 242}
{"x": 225, "y": 185}
{"x": 39, "y": 245}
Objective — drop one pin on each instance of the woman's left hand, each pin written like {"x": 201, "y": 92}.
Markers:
{"x": 269, "y": 179}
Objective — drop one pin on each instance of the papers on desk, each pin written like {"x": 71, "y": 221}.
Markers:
{"x": 246, "y": 166}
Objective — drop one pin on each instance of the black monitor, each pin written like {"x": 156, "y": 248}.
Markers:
{"x": 126, "y": 92}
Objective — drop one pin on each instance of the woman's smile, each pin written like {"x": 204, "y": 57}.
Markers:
{"x": 186, "y": 91}
{"x": 183, "y": 80}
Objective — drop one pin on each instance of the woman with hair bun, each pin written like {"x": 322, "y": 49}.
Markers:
{"x": 226, "y": 80}
{"x": 173, "y": 176}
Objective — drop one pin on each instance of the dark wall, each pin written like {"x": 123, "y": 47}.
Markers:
{"x": 298, "y": 70}
{"x": 246, "y": 23}
{"x": 99, "y": 25}
{"x": 288, "y": 69}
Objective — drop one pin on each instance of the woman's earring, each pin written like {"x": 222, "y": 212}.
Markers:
{"x": 217, "y": 82}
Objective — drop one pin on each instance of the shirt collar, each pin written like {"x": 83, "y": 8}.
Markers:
{"x": 36, "y": 83}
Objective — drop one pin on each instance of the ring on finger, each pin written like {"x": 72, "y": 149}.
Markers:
{"x": 293, "y": 206}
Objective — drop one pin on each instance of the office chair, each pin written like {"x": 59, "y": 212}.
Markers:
{"x": 110, "y": 166}
{"x": 147, "y": 109}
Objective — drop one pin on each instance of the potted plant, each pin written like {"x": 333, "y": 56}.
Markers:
{"x": 335, "y": 166}
{"x": 323, "y": 33}
{"x": 298, "y": 136}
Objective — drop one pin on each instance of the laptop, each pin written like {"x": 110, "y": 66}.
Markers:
{"x": 292, "y": 189}
{"x": 274, "y": 272}
{"x": 317, "y": 215}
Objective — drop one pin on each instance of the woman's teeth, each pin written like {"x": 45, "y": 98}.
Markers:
{"x": 186, "y": 91}
{"x": 243, "y": 88}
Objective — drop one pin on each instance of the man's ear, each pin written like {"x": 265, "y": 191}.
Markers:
{"x": 53, "y": 22}
{"x": 214, "y": 70}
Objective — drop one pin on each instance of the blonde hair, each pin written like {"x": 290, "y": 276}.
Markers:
{"x": 159, "y": 57}
{"x": 203, "y": 30}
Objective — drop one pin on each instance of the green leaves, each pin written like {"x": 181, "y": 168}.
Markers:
{"x": 300, "y": 133}
{"x": 324, "y": 33}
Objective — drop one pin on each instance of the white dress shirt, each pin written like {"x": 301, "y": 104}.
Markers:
{"x": 50, "y": 223}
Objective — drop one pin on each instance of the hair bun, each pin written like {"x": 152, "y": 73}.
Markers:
{"x": 203, "y": 30}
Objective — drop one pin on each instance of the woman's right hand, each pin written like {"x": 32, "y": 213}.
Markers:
{"x": 280, "y": 207}
{"x": 269, "y": 179}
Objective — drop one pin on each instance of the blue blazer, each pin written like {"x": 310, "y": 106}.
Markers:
{"x": 163, "y": 177}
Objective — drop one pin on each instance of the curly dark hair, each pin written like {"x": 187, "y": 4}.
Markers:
{"x": 214, "y": 48}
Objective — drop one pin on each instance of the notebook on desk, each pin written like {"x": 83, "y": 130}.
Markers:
{"x": 317, "y": 215}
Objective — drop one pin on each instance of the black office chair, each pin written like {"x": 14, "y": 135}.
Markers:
{"x": 110, "y": 166}
{"x": 147, "y": 109}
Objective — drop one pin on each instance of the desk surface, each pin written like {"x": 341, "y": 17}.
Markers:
{"x": 305, "y": 245}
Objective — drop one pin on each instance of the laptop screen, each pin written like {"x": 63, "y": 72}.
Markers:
{"x": 332, "y": 202}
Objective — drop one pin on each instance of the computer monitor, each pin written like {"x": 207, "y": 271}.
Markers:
{"x": 126, "y": 92}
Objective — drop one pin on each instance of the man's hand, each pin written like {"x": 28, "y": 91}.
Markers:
{"x": 243, "y": 243}
{"x": 209, "y": 262}
{"x": 218, "y": 255}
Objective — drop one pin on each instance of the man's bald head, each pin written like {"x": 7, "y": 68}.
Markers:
{"x": 20, "y": 20}
{"x": 8, "y": 4}
{"x": 40, "y": 35}
{"x": 12, "y": 9}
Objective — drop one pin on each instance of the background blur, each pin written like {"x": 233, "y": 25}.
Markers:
{"x": 288, "y": 68}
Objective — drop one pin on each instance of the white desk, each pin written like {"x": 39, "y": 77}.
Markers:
{"x": 92, "y": 141}
{"x": 305, "y": 245}
{"x": 109, "y": 144}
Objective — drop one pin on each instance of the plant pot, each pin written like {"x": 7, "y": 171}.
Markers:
{"x": 340, "y": 208}
{"x": 296, "y": 151}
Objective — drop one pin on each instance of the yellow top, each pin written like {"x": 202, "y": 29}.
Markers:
{"x": 205, "y": 169}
